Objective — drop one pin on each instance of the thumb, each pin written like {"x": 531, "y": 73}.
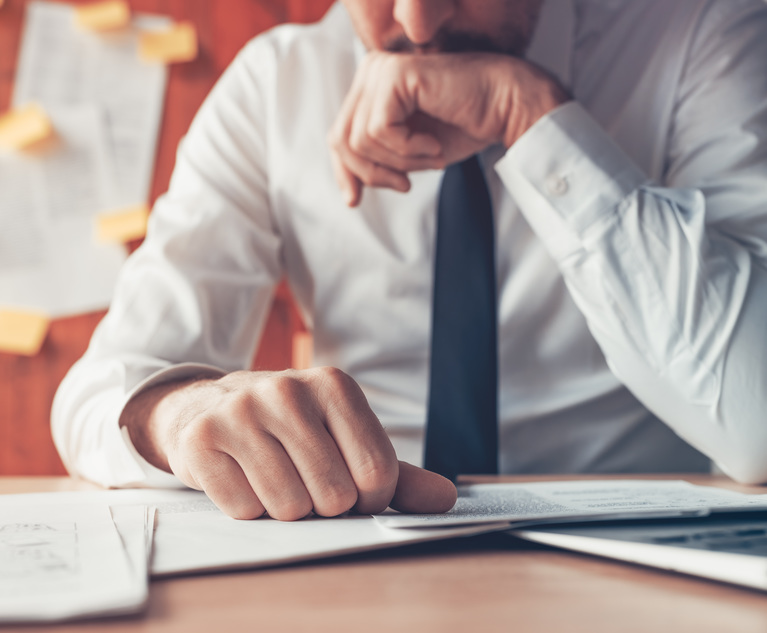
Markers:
{"x": 423, "y": 492}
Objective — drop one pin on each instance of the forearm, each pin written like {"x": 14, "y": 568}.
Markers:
{"x": 674, "y": 304}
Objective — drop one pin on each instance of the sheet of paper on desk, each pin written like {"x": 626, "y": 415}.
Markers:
{"x": 67, "y": 561}
{"x": 192, "y": 535}
{"x": 49, "y": 261}
{"x": 542, "y": 502}
{"x": 60, "y": 63}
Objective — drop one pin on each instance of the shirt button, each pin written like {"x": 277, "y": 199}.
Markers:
{"x": 557, "y": 185}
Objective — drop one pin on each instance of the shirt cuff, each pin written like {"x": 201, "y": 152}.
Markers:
{"x": 568, "y": 177}
{"x": 143, "y": 474}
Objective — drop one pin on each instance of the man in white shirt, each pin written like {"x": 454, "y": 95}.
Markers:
{"x": 624, "y": 144}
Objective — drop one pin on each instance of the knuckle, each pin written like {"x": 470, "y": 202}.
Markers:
{"x": 245, "y": 510}
{"x": 376, "y": 474}
{"x": 358, "y": 143}
{"x": 291, "y": 510}
{"x": 203, "y": 432}
{"x": 335, "y": 500}
{"x": 237, "y": 406}
{"x": 377, "y": 129}
{"x": 281, "y": 389}
{"x": 334, "y": 381}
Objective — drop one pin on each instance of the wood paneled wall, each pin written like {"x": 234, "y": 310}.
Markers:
{"x": 27, "y": 385}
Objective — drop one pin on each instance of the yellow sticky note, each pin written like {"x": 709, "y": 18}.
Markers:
{"x": 22, "y": 332}
{"x": 177, "y": 44}
{"x": 24, "y": 126}
{"x": 123, "y": 225}
{"x": 103, "y": 16}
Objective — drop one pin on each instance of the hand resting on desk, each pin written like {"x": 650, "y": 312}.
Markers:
{"x": 284, "y": 443}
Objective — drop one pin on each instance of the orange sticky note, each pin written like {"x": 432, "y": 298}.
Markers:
{"x": 123, "y": 225}
{"x": 177, "y": 44}
{"x": 22, "y": 332}
{"x": 24, "y": 126}
{"x": 103, "y": 16}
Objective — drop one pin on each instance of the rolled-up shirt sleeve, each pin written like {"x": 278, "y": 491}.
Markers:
{"x": 193, "y": 298}
{"x": 671, "y": 276}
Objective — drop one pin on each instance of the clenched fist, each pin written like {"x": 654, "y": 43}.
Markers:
{"x": 283, "y": 443}
{"x": 409, "y": 112}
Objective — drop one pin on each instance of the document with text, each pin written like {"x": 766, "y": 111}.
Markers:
{"x": 192, "y": 535}
{"x": 67, "y": 561}
{"x": 541, "y": 502}
{"x": 62, "y": 64}
{"x": 49, "y": 261}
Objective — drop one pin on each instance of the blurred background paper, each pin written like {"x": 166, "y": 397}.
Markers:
{"x": 49, "y": 261}
{"x": 60, "y": 63}
{"x": 105, "y": 106}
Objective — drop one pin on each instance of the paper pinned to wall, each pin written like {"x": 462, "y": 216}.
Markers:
{"x": 60, "y": 63}
{"x": 48, "y": 258}
{"x": 105, "y": 106}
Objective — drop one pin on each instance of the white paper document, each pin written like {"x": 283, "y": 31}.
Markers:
{"x": 192, "y": 535}
{"x": 49, "y": 261}
{"x": 543, "y": 502}
{"x": 106, "y": 106}
{"x": 64, "y": 561}
{"x": 62, "y": 64}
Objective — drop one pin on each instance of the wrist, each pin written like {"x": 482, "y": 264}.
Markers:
{"x": 152, "y": 416}
{"x": 534, "y": 95}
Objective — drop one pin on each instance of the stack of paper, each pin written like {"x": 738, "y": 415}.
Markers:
{"x": 191, "y": 535}
{"x": 68, "y": 561}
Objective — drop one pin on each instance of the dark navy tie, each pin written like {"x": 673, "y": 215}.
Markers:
{"x": 462, "y": 425}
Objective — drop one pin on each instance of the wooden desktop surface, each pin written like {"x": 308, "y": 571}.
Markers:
{"x": 488, "y": 583}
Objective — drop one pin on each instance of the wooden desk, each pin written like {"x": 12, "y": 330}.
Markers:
{"x": 488, "y": 583}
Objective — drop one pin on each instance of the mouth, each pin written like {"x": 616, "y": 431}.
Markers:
{"x": 447, "y": 42}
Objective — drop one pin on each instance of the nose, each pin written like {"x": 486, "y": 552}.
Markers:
{"x": 421, "y": 20}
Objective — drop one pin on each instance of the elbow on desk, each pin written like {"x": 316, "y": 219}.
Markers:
{"x": 747, "y": 463}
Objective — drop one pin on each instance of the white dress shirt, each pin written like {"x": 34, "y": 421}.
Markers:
{"x": 631, "y": 229}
